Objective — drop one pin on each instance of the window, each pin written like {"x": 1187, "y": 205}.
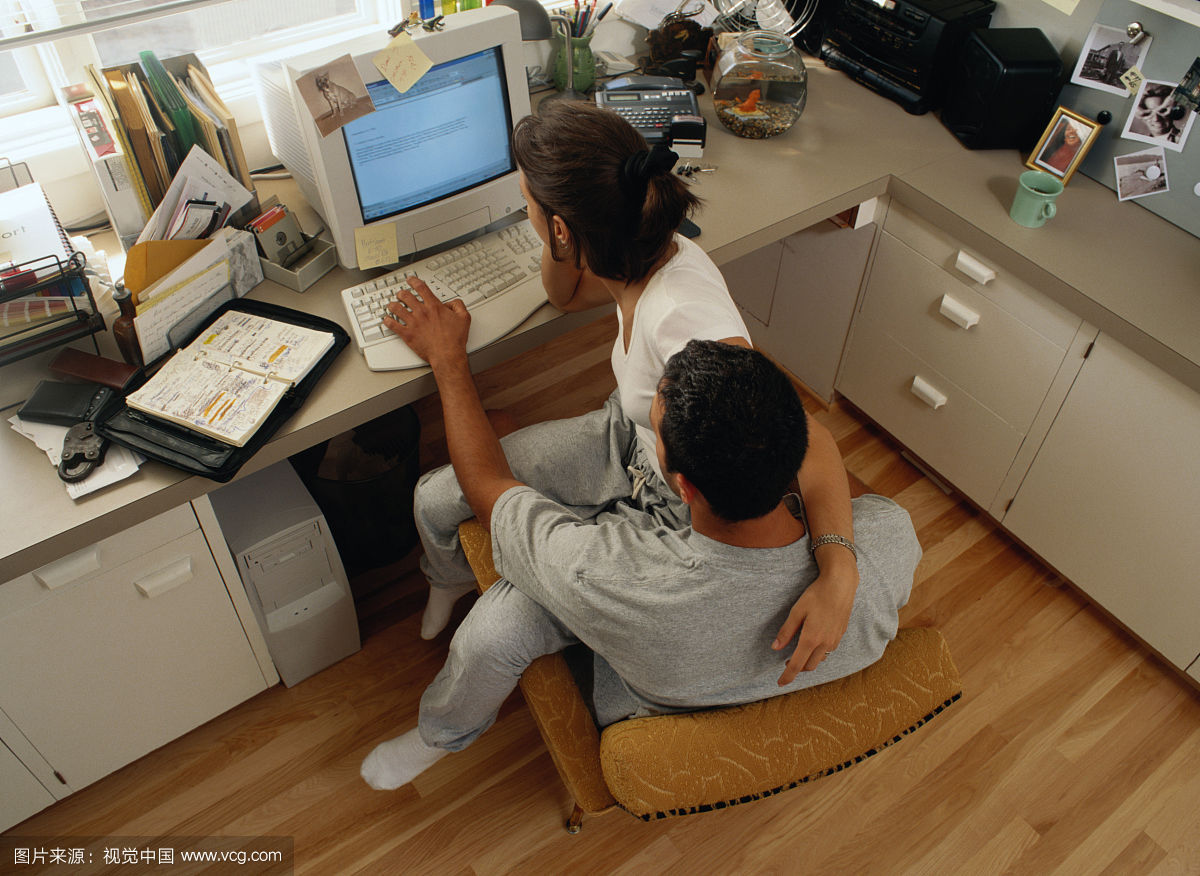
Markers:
{"x": 221, "y": 32}
{"x": 23, "y": 83}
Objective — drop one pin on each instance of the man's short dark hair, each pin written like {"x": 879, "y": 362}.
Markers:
{"x": 733, "y": 425}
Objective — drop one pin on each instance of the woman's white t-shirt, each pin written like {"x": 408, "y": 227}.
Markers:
{"x": 686, "y": 299}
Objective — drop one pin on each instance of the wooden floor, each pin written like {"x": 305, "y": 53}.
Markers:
{"x": 1073, "y": 750}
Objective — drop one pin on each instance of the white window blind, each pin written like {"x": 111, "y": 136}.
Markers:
{"x": 29, "y": 22}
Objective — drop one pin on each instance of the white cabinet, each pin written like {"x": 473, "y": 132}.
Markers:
{"x": 1112, "y": 499}
{"x": 961, "y": 362}
{"x": 798, "y": 296}
{"x": 121, "y": 647}
{"x": 21, "y": 794}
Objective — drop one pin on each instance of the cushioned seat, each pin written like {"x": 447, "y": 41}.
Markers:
{"x": 698, "y": 761}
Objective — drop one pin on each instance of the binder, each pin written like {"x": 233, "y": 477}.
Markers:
{"x": 100, "y": 91}
{"x": 207, "y": 125}
{"x": 197, "y": 77}
{"x": 170, "y": 103}
{"x": 140, "y": 139}
{"x": 198, "y": 454}
{"x": 104, "y": 140}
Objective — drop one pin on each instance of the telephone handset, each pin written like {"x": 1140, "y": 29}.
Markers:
{"x": 662, "y": 108}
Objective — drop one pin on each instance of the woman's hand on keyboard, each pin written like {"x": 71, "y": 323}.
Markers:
{"x": 435, "y": 331}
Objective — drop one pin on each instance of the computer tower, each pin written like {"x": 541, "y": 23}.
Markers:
{"x": 1001, "y": 89}
{"x": 291, "y": 570}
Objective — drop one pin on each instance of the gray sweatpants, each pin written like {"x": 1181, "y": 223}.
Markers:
{"x": 585, "y": 464}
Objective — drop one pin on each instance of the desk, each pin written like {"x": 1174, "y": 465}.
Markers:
{"x": 850, "y": 145}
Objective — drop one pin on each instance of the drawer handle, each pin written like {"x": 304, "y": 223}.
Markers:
{"x": 165, "y": 579}
{"x": 973, "y": 268}
{"x": 69, "y": 568}
{"x": 957, "y": 312}
{"x": 924, "y": 390}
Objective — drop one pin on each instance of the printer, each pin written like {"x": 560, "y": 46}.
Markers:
{"x": 903, "y": 49}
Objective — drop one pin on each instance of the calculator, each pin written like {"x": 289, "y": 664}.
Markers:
{"x": 662, "y": 108}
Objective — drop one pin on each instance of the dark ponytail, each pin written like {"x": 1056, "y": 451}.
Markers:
{"x": 619, "y": 198}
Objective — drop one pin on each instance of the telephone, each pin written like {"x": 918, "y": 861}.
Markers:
{"x": 662, "y": 108}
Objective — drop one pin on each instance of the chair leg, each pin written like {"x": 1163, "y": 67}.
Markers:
{"x": 575, "y": 822}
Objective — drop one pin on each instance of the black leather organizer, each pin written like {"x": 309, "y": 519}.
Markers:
{"x": 196, "y": 453}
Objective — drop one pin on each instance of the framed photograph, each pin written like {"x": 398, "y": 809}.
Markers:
{"x": 1106, "y": 56}
{"x": 1152, "y": 119}
{"x": 1065, "y": 141}
{"x": 1141, "y": 173}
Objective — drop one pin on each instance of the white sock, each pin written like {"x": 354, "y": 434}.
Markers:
{"x": 398, "y": 761}
{"x": 439, "y": 607}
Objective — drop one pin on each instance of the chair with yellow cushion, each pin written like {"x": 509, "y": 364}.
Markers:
{"x": 698, "y": 761}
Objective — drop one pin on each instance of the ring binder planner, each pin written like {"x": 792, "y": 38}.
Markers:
{"x": 213, "y": 411}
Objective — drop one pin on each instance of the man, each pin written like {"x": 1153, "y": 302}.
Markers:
{"x": 678, "y": 619}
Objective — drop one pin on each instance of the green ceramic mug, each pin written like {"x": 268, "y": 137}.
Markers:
{"x": 1034, "y": 204}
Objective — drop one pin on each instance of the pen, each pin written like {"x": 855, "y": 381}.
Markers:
{"x": 595, "y": 21}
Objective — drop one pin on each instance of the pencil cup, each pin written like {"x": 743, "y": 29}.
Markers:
{"x": 585, "y": 64}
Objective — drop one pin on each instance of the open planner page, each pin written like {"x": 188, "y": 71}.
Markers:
{"x": 265, "y": 346}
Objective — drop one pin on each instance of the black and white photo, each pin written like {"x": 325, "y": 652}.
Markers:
{"x": 1106, "y": 56}
{"x": 1156, "y": 119}
{"x": 1141, "y": 173}
{"x": 335, "y": 94}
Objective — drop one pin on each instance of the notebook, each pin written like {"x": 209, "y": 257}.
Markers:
{"x": 29, "y": 229}
{"x": 227, "y": 381}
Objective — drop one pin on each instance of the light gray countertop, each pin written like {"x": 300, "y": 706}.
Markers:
{"x": 1125, "y": 270}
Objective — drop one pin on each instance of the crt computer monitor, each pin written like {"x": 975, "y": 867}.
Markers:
{"x": 431, "y": 164}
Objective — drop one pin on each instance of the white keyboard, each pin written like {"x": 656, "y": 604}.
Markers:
{"x": 498, "y": 276}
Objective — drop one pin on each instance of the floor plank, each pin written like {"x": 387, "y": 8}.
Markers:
{"x": 1073, "y": 750}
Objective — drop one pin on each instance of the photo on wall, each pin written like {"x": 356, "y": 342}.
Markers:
{"x": 1141, "y": 173}
{"x": 1106, "y": 57}
{"x": 1063, "y": 144}
{"x": 1157, "y": 119}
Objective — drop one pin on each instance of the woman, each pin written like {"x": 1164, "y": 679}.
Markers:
{"x": 1064, "y": 144}
{"x": 606, "y": 208}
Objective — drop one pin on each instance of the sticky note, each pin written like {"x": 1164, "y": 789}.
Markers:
{"x": 402, "y": 62}
{"x": 1133, "y": 79}
{"x": 375, "y": 246}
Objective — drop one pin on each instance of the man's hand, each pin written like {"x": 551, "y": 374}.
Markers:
{"x": 821, "y": 616}
{"x": 436, "y": 332}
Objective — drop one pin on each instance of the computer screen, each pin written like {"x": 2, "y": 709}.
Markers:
{"x": 460, "y": 139}
{"x": 430, "y": 164}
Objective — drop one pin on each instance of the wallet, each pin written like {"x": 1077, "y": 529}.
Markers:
{"x": 64, "y": 404}
{"x": 87, "y": 366}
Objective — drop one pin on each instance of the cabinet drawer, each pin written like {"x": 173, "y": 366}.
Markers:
{"x": 965, "y": 442}
{"x": 983, "y": 348}
{"x": 102, "y": 672}
{"x": 23, "y": 794}
{"x": 1022, "y": 301}
{"x": 104, "y": 556}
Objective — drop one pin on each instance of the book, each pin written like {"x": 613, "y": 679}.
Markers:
{"x": 98, "y": 87}
{"x": 203, "y": 86}
{"x": 156, "y": 126}
{"x": 208, "y": 126}
{"x": 29, "y": 230}
{"x": 121, "y": 183}
{"x": 226, "y": 383}
{"x": 133, "y": 121}
{"x": 169, "y": 102}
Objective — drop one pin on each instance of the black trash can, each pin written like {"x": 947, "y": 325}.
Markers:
{"x": 363, "y": 481}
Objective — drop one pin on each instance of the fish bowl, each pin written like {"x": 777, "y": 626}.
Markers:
{"x": 760, "y": 85}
